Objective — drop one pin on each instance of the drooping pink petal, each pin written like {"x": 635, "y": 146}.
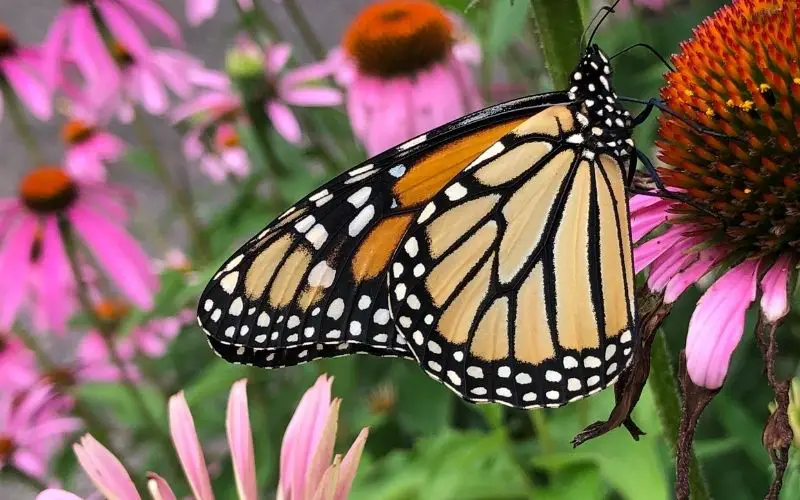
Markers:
{"x": 153, "y": 13}
{"x": 15, "y": 265}
{"x": 322, "y": 452}
{"x": 706, "y": 259}
{"x": 349, "y": 466}
{"x": 774, "y": 289}
{"x": 55, "y": 268}
{"x": 306, "y": 74}
{"x": 187, "y": 445}
{"x": 118, "y": 254}
{"x": 203, "y": 103}
{"x": 717, "y": 324}
{"x": 90, "y": 54}
{"x": 671, "y": 263}
{"x": 150, "y": 91}
{"x": 237, "y": 161}
{"x": 105, "y": 470}
{"x": 646, "y": 218}
{"x": 199, "y": 11}
{"x": 284, "y": 121}
{"x": 31, "y": 90}
{"x": 240, "y": 441}
{"x": 650, "y": 250}
{"x": 125, "y": 29}
{"x": 53, "y": 46}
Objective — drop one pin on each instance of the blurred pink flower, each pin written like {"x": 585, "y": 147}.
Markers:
{"x": 295, "y": 87}
{"x": 152, "y": 338}
{"x": 174, "y": 260}
{"x": 308, "y": 466}
{"x": 406, "y": 64}
{"x": 89, "y": 148}
{"x": 224, "y": 155}
{"x": 21, "y": 68}
{"x": 95, "y": 364}
{"x": 30, "y": 429}
{"x": 17, "y": 364}
{"x": 677, "y": 260}
{"x": 75, "y": 37}
{"x": 32, "y": 244}
{"x": 199, "y": 11}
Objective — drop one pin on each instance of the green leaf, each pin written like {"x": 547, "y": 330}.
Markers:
{"x": 422, "y": 407}
{"x": 560, "y": 27}
{"x": 506, "y": 21}
{"x": 216, "y": 379}
{"x": 791, "y": 480}
{"x": 117, "y": 400}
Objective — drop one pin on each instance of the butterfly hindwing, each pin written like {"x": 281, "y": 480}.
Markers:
{"x": 515, "y": 282}
{"x": 313, "y": 283}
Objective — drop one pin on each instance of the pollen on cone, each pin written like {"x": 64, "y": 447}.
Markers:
{"x": 47, "y": 189}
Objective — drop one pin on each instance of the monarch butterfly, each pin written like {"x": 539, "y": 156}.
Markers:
{"x": 494, "y": 250}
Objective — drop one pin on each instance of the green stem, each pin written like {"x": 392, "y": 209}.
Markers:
{"x": 181, "y": 194}
{"x": 17, "y": 116}
{"x": 560, "y": 26}
{"x": 539, "y": 422}
{"x": 300, "y": 21}
{"x": 665, "y": 390}
{"x": 106, "y": 330}
{"x": 23, "y": 477}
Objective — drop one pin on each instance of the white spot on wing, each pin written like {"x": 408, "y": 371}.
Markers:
{"x": 336, "y": 309}
{"x": 360, "y": 197}
{"x": 235, "y": 262}
{"x": 305, "y": 223}
{"x": 413, "y": 142}
{"x": 455, "y": 192}
{"x": 321, "y": 275}
{"x": 361, "y": 220}
{"x": 228, "y": 283}
{"x": 397, "y": 171}
{"x": 317, "y": 236}
{"x": 360, "y": 170}
{"x": 426, "y": 212}
{"x": 318, "y": 195}
{"x": 493, "y": 150}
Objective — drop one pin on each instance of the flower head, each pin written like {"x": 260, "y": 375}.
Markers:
{"x": 17, "y": 364}
{"x": 221, "y": 156}
{"x": 33, "y": 252}
{"x": 75, "y": 37}
{"x": 88, "y": 149}
{"x": 21, "y": 68}
{"x": 199, "y": 11}
{"x": 405, "y": 62}
{"x": 31, "y": 428}
{"x": 738, "y": 76}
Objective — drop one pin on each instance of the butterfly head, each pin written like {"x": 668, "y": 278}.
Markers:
{"x": 592, "y": 76}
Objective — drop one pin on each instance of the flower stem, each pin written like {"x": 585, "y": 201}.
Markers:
{"x": 300, "y": 21}
{"x": 665, "y": 389}
{"x": 106, "y": 330}
{"x": 23, "y": 477}
{"x": 14, "y": 110}
{"x": 560, "y": 27}
{"x": 182, "y": 193}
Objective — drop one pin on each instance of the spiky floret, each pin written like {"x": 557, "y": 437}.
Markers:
{"x": 739, "y": 75}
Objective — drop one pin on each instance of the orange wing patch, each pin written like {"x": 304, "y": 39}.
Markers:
{"x": 373, "y": 255}
{"x": 428, "y": 176}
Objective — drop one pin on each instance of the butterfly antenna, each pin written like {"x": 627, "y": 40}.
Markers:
{"x": 661, "y": 106}
{"x": 650, "y": 49}
{"x": 606, "y": 12}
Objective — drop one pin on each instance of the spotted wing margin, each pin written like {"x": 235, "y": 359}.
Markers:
{"x": 316, "y": 275}
{"x": 515, "y": 283}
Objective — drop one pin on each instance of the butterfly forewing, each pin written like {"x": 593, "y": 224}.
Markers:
{"x": 313, "y": 282}
{"x": 514, "y": 283}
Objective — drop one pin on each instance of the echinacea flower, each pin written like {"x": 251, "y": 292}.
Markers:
{"x": 75, "y": 37}
{"x": 21, "y": 68}
{"x": 31, "y": 429}
{"x": 199, "y": 11}
{"x": 406, "y": 67}
{"x": 223, "y": 156}
{"x": 88, "y": 149}
{"x": 318, "y": 472}
{"x": 50, "y": 199}
{"x": 738, "y": 77}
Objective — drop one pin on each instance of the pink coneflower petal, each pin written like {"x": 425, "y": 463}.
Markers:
{"x": 199, "y": 11}
{"x": 159, "y": 488}
{"x": 306, "y": 74}
{"x": 678, "y": 284}
{"x": 349, "y": 466}
{"x": 147, "y": 88}
{"x": 53, "y": 494}
{"x": 89, "y": 50}
{"x": 650, "y": 250}
{"x": 312, "y": 96}
{"x": 154, "y": 14}
{"x": 203, "y": 103}
{"x": 53, "y": 45}
{"x": 125, "y": 29}
{"x": 774, "y": 289}
{"x": 323, "y": 451}
{"x": 55, "y": 268}
{"x": 15, "y": 265}
{"x": 118, "y": 253}
{"x": 277, "y": 56}
{"x": 240, "y": 441}
{"x": 105, "y": 470}
{"x": 33, "y": 92}
{"x": 664, "y": 268}
{"x": 717, "y": 324}
{"x": 284, "y": 121}
{"x": 187, "y": 445}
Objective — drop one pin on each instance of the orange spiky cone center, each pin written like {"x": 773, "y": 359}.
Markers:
{"x": 399, "y": 37}
{"x": 739, "y": 76}
{"x": 47, "y": 190}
